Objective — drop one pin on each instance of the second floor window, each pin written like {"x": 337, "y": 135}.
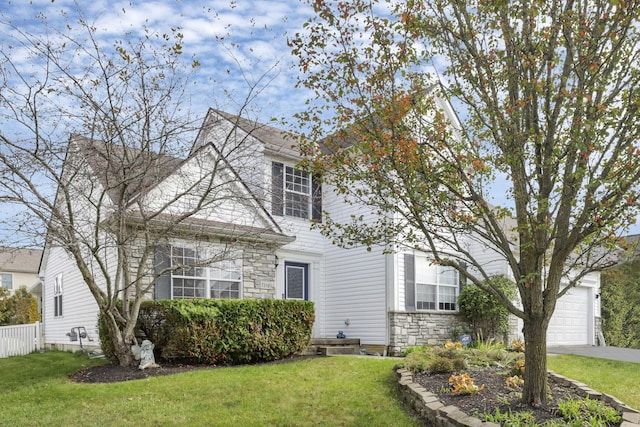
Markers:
{"x": 295, "y": 193}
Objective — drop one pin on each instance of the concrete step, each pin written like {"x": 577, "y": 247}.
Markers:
{"x": 333, "y": 346}
{"x": 336, "y": 350}
{"x": 335, "y": 341}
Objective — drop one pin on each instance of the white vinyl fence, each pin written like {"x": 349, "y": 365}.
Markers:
{"x": 19, "y": 340}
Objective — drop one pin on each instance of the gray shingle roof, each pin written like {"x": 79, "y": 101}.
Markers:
{"x": 276, "y": 141}
{"x": 19, "y": 260}
{"x": 125, "y": 172}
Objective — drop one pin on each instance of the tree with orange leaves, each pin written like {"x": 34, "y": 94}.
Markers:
{"x": 550, "y": 92}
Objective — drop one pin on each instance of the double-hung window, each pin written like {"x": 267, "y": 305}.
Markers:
{"x": 187, "y": 273}
{"x": 57, "y": 296}
{"x": 7, "y": 280}
{"x": 226, "y": 279}
{"x": 188, "y": 279}
{"x": 295, "y": 193}
{"x": 436, "y": 286}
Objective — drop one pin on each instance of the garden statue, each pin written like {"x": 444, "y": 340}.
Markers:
{"x": 144, "y": 353}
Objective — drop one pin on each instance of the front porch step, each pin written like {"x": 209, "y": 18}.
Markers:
{"x": 333, "y": 346}
{"x": 336, "y": 350}
{"x": 335, "y": 341}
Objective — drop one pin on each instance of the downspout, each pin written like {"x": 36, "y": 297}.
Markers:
{"x": 390, "y": 294}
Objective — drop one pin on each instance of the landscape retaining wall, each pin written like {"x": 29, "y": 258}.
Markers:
{"x": 434, "y": 413}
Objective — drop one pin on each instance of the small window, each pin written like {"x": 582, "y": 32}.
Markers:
{"x": 7, "y": 280}
{"x": 57, "y": 296}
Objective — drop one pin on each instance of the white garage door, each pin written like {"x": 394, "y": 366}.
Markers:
{"x": 571, "y": 321}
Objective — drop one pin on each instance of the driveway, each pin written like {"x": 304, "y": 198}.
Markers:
{"x": 612, "y": 353}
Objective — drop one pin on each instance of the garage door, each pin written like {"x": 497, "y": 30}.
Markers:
{"x": 571, "y": 321}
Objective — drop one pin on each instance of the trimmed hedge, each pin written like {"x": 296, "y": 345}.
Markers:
{"x": 227, "y": 332}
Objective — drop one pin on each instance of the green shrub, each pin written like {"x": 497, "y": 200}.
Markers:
{"x": 435, "y": 359}
{"x": 576, "y": 413}
{"x": 418, "y": 360}
{"x": 21, "y": 308}
{"x": 106, "y": 343}
{"x": 620, "y": 290}
{"x": 441, "y": 365}
{"x": 227, "y": 331}
{"x": 413, "y": 349}
{"x": 485, "y": 314}
{"x": 459, "y": 365}
{"x": 491, "y": 357}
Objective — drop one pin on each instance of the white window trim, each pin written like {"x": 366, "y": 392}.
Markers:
{"x": 293, "y": 188}
{"x": 209, "y": 273}
{"x": 58, "y": 296}
{"x": 10, "y": 276}
{"x": 284, "y": 190}
{"x": 421, "y": 262}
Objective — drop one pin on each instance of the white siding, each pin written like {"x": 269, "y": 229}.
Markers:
{"x": 491, "y": 261}
{"x": 78, "y": 305}
{"x": 228, "y": 202}
{"x": 243, "y": 151}
{"x": 356, "y": 285}
{"x": 356, "y": 289}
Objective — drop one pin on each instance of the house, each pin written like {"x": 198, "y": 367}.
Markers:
{"x": 576, "y": 319}
{"x": 388, "y": 300}
{"x": 19, "y": 267}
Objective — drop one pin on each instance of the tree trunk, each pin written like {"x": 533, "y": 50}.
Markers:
{"x": 534, "y": 392}
{"x": 121, "y": 343}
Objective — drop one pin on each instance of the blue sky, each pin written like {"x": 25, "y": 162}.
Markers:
{"x": 253, "y": 50}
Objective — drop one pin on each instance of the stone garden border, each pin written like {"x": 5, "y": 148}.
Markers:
{"x": 434, "y": 413}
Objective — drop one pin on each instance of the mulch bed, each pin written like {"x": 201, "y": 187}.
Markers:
{"x": 114, "y": 373}
{"x": 496, "y": 394}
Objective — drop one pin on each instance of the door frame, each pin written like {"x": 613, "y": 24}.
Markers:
{"x": 305, "y": 277}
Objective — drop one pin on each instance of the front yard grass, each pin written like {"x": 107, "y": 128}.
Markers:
{"x": 336, "y": 391}
{"x": 618, "y": 379}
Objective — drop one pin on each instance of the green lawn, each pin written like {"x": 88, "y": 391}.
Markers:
{"x": 619, "y": 379}
{"x": 336, "y": 391}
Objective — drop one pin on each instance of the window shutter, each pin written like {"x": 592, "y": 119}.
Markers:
{"x": 277, "y": 188}
{"x": 162, "y": 261}
{"x": 316, "y": 198}
{"x": 462, "y": 282}
{"x": 409, "y": 283}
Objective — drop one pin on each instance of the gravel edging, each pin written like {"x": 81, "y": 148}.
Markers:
{"x": 434, "y": 413}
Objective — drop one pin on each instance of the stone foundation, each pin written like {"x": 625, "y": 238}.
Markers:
{"x": 408, "y": 329}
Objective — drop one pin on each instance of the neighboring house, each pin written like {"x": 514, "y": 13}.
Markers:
{"x": 19, "y": 267}
{"x": 388, "y": 301}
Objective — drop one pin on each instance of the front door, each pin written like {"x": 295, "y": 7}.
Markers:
{"x": 296, "y": 280}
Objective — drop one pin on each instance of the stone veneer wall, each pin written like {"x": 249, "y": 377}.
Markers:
{"x": 258, "y": 266}
{"x": 411, "y": 328}
{"x": 258, "y": 272}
